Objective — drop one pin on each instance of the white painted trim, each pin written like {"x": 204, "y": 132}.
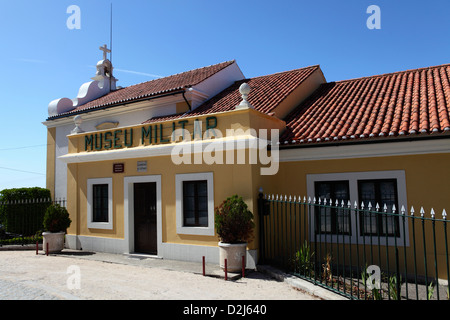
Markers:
{"x": 229, "y": 143}
{"x": 365, "y": 150}
{"x": 128, "y": 206}
{"x": 99, "y": 225}
{"x": 286, "y": 155}
{"x": 179, "y": 178}
{"x": 352, "y": 178}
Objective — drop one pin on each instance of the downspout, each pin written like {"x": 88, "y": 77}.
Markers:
{"x": 184, "y": 97}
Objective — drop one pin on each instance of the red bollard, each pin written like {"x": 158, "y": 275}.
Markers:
{"x": 243, "y": 267}
{"x": 37, "y": 247}
{"x": 226, "y": 273}
{"x": 203, "y": 258}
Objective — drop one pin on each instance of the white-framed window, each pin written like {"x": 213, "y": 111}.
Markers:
{"x": 194, "y": 194}
{"x": 99, "y": 203}
{"x": 374, "y": 187}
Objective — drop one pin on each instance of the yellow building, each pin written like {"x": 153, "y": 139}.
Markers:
{"x": 143, "y": 167}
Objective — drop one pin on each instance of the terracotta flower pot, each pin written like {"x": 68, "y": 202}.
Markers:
{"x": 233, "y": 253}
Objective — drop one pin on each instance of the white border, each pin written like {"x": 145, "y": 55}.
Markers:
{"x": 352, "y": 178}
{"x": 128, "y": 206}
{"x": 99, "y": 225}
{"x": 179, "y": 178}
{"x": 343, "y": 151}
{"x": 226, "y": 143}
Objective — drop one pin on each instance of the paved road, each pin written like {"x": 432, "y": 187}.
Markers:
{"x": 27, "y": 276}
{"x": 14, "y": 290}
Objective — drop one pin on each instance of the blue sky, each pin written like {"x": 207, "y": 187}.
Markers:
{"x": 41, "y": 59}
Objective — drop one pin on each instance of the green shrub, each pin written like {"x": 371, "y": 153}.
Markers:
{"x": 56, "y": 218}
{"x": 22, "y": 209}
{"x": 233, "y": 221}
{"x": 24, "y": 240}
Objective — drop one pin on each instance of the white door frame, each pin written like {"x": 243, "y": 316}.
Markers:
{"x": 128, "y": 208}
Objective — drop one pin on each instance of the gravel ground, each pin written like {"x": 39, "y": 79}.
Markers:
{"x": 27, "y": 276}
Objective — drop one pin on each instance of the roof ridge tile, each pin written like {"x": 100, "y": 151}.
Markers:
{"x": 395, "y": 73}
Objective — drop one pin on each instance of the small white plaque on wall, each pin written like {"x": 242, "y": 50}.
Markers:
{"x": 142, "y": 166}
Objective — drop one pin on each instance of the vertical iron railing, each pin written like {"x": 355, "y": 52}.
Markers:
{"x": 20, "y": 220}
{"x": 360, "y": 251}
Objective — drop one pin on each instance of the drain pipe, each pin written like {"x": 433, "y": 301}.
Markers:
{"x": 184, "y": 97}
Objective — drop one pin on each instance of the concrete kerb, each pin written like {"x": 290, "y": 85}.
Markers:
{"x": 20, "y": 247}
{"x": 299, "y": 283}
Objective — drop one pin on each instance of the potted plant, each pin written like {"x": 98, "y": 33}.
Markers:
{"x": 234, "y": 226}
{"x": 56, "y": 222}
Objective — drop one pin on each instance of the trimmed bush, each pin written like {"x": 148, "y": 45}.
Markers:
{"x": 56, "y": 219}
{"x": 233, "y": 221}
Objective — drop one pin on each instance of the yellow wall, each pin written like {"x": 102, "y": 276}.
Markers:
{"x": 228, "y": 180}
{"x": 426, "y": 186}
{"x": 182, "y": 107}
{"x": 50, "y": 177}
{"x": 426, "y": 176}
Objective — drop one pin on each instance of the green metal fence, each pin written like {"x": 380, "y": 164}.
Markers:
{"x": 360, "y": 251}
{"x": 21, "y": 221}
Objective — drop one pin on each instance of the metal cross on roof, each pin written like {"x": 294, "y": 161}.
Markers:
{"x": 105, "y": 51}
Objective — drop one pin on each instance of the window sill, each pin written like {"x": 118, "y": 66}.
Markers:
{"x": 201, "y": 231}
{"x": 100, "y": 225}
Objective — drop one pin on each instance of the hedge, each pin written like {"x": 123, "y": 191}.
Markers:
{"x": 17, "y": 194}
{"x": 22, "y": 210}
{"x": 24, "y": 240}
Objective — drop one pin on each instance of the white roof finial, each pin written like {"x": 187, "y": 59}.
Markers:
{"x": 244, "y": 89}
{"x": 78, "y": 120}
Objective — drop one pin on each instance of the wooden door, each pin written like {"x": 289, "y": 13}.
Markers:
{"x": 145, "y": 239}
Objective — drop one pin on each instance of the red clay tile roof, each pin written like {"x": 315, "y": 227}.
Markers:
{"x": 267, "y": 92}
{"x": 401, "y": 103}
{"x": 152, "y": 88}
